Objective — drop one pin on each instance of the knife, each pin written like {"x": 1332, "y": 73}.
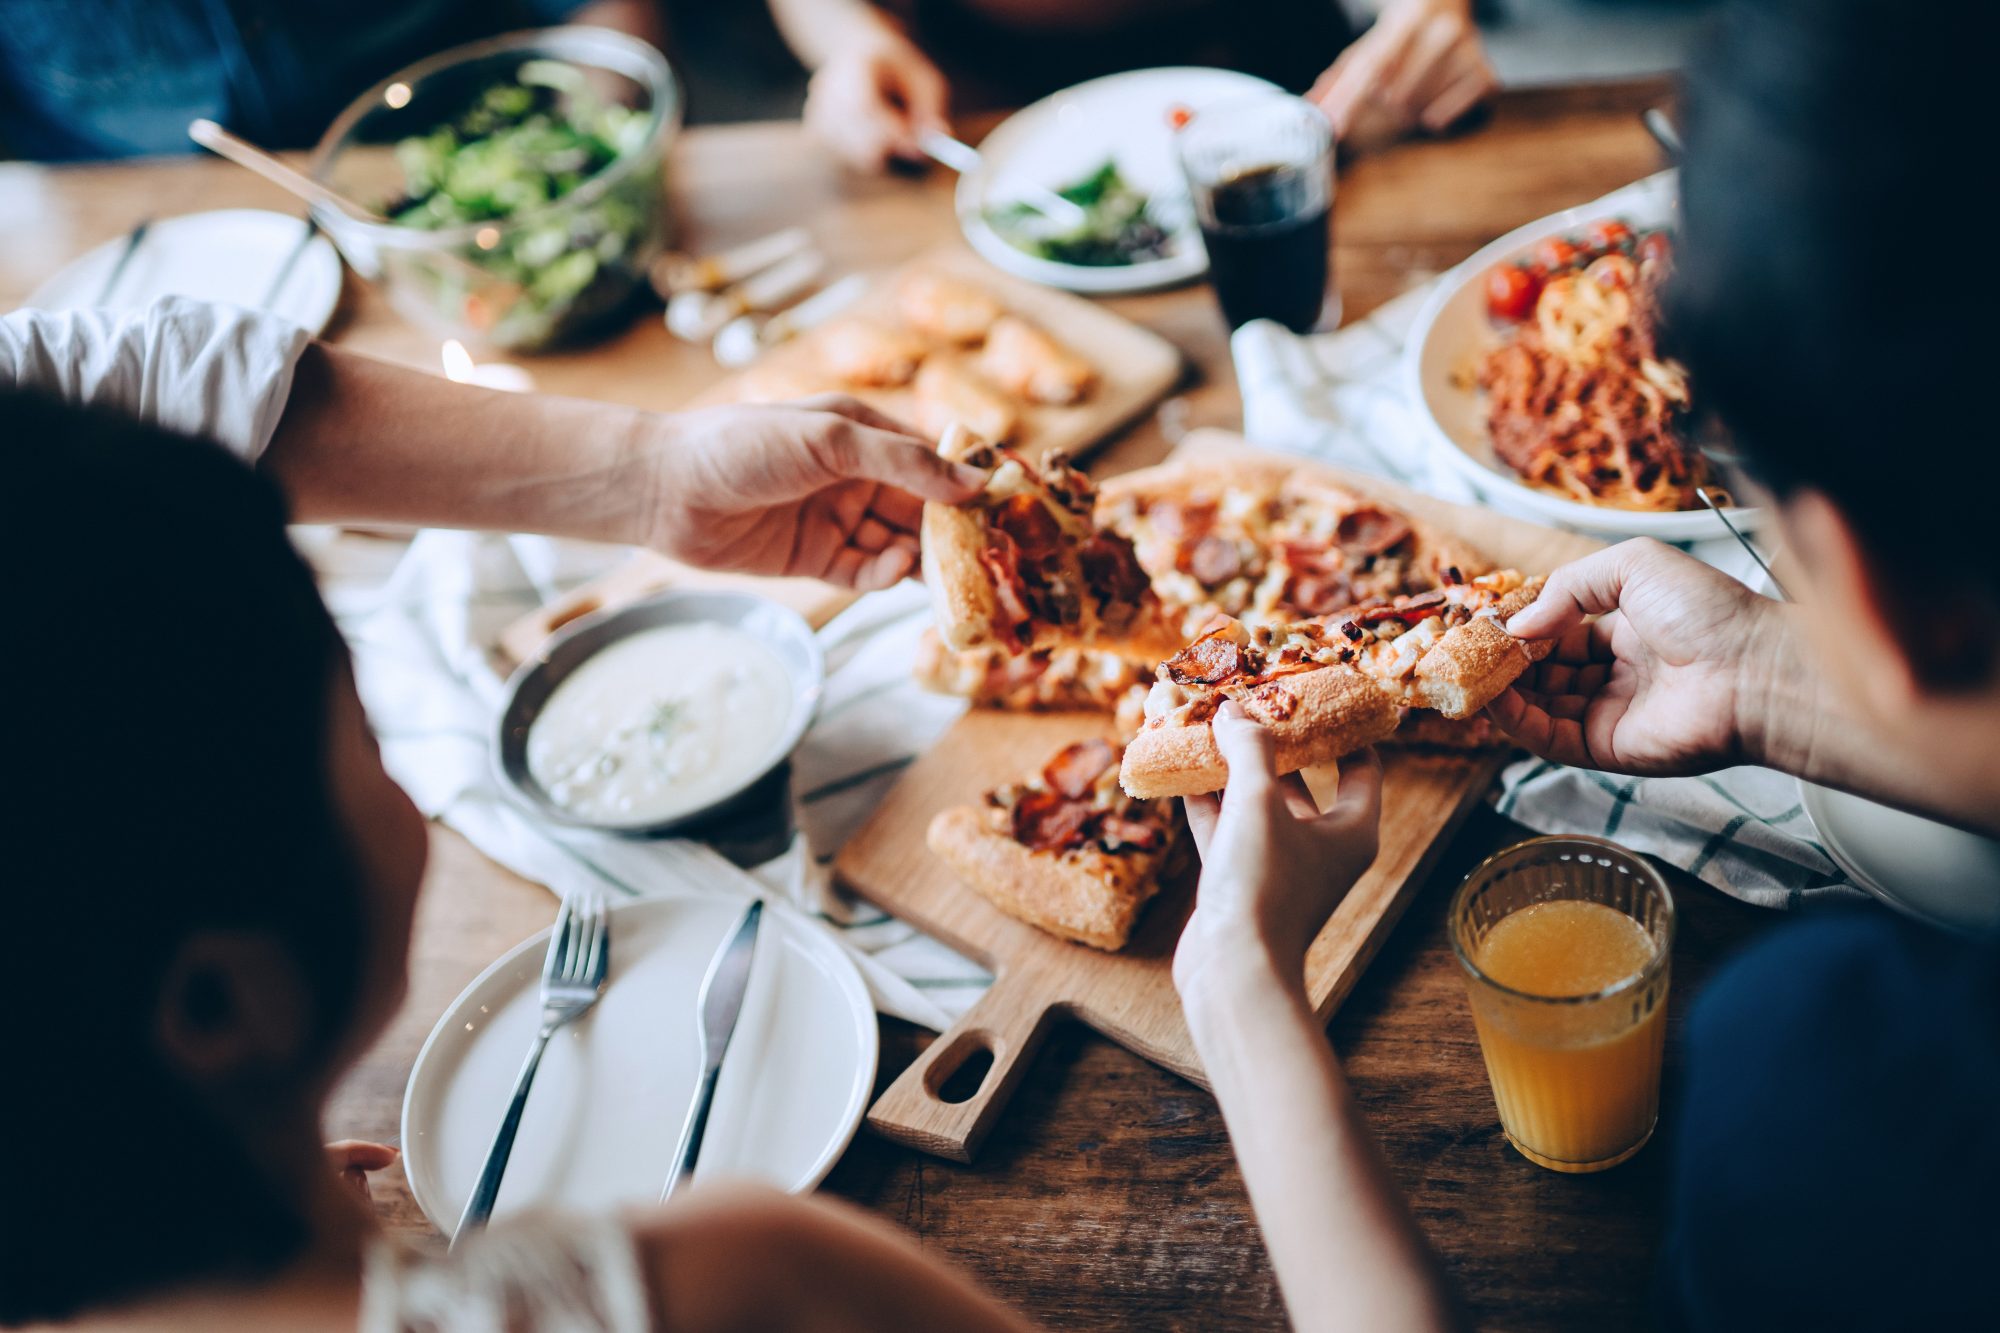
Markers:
{"x": 722, "y": 992}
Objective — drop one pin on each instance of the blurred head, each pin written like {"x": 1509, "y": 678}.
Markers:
{"x": 1834, "y": 300}
{"x": 210, "y": 877}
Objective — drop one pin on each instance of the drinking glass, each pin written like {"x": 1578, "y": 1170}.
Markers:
{"x": 1260, "y": 175}
{"x": 1573, "y": 1052}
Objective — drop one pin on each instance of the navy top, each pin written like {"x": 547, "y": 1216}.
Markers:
{"x": 1837, "y": 1150}
{"x": 117, "y": 78}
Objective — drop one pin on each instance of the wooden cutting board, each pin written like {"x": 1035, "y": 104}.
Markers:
{"x": 1137, "y": 368}
{"x": 1129, "y": 996}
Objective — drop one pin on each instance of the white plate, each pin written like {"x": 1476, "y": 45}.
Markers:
{"x": 231, "y": 256}
{"x": 605, "y": 1115}
{"x": 1931, "y": 871}
{"x": 1067, "y": 135}
{"x": 1451, "y": 333}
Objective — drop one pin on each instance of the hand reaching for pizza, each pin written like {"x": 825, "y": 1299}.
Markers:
{"x": 1670, "y": 678}
{"x": 825, "y": 488}
{"x": 1273, "y": 866}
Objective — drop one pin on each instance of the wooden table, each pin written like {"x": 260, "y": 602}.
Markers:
{"x": 1108, "y": 1196}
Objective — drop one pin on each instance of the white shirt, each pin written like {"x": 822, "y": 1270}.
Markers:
{"x": 199, "y": 369}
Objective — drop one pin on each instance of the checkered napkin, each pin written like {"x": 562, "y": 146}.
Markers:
{"x": 1340, "y": 397}
{"x": 420, "y": 633}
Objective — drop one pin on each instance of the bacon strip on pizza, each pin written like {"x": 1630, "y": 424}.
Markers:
{"x": 1064, "y": 849}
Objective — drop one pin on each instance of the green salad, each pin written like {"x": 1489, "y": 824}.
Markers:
{"x": 510, "y": 158}
{"x": 1117, "y": 228}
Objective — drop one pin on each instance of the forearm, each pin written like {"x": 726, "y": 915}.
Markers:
{"x": 364, "y": 440}
{"x": 1791, "y": 720}
{"x": 636, "y": 18}
{"x": 1346, "y": 1251}
{"x": 814, "y": 29}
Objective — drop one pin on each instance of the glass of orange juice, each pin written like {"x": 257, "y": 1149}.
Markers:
{"x": 1565, "y": 944}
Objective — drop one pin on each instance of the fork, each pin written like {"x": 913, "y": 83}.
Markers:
{"x": 572, "y": 979}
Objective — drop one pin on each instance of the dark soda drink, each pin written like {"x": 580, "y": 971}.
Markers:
{"x": 1260, "y": 175}
{"x": 1268, "y": 230}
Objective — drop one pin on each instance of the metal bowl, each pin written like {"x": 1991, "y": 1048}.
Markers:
{"x": 779, "y": 628}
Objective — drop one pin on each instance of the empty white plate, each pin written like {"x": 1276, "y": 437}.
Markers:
{"x": 1931, "y": 871}
{"x": 603, "y": 1120}
{"x": 232, "y": 256}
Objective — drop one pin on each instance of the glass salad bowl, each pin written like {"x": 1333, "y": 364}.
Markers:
{"x": 519, "y": 182}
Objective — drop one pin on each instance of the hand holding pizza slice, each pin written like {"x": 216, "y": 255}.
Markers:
{"x": 1023, "y": 566}
{"x": 1330, "y": 685}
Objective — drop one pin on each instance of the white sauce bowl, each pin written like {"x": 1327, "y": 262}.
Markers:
{"x": 778, "y": 628}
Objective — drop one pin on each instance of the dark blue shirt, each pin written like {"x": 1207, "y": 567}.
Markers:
{"x": 118, "y": 78}
{"x": 1837, "y": 1150}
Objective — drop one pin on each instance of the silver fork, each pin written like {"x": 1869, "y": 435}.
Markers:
{"x": 572, "y": 979}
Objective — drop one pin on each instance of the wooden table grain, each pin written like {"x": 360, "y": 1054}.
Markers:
{"x": 1108, "y": 1197}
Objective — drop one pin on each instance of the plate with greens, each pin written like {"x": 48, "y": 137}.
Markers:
{"x": 1107, "y": 146}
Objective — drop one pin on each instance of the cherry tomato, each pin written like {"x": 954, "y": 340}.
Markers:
{"x": 1511, "y": 293}
{"x": 1613, "y": 271}
{"x": 1608, "y": 234}
{"x": 1557, "y": 253}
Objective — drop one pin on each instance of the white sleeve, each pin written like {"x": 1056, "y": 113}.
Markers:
{"x": 200, "y": 369}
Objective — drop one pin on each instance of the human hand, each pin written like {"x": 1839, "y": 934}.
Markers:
{"x": 824, "y": 488}
{"x": 873, "y": 96}
{"x": 353, "y": 1159}
{"x": 1672, "y": 677}
{"x": 1422, "y": 64}
{"x": 1273, "y": 866}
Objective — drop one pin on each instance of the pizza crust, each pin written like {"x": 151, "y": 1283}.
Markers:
{"x": 961, "y": 590}
{"x": 1337, "y": 711}
{"x": 1470, "y": 666}
{"x": 1091, "y": 897}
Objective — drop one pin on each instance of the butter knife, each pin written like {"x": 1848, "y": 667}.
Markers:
{"x": 722, "y": 992}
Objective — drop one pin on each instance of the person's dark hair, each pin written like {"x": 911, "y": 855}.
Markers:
{"x": 167, "y": 677}
{"x": 1835, "y": 283}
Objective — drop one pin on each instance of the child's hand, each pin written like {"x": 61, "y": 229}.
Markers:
{"x": 1273, "y": 866}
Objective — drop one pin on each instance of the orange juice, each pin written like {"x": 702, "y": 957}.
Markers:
{"x": 1576, "y": 1072}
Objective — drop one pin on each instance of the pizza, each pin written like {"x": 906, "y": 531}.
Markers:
{"x": 1023, "y": 566}
{"x": 1329, "y": 685}
{"x": 1065, "y": 849}
{"x": 1067, "y": 677}
{"x": 1266, "y": 543}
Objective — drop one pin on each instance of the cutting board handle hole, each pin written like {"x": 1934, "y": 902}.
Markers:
{"x": 957, "y": 1075}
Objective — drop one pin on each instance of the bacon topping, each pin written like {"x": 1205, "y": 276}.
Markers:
{"x": 1209, "y": 660}
{"x": 1012, "y": 622}
{"x": 1048, "y": 821}
{"x": 1135, "y": 834}
{"x": 1370, "y": 531}
{"x": 1215, "y": 560}
{"x": 1028, "y": 521}
{"x": 1112, "y": 570}
{"x": 1076, "y": 770}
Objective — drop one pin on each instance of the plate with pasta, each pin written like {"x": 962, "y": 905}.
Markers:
{"x": 1538, "y": 369}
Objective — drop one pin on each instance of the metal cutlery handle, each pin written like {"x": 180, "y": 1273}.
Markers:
{"x": 692, "y": 1133}
{"x": 487, "y": 1191}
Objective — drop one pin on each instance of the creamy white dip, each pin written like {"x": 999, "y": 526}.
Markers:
{"x": 661, "y": 724}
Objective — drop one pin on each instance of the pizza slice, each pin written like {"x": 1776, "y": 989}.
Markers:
{"x": 1023, "y": 566}
{"x": 1330, "y": 685}
{"x": 1267, "y": 543}
{"x": 1064, "y": 850}
{"x": 1067, "y": 677}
